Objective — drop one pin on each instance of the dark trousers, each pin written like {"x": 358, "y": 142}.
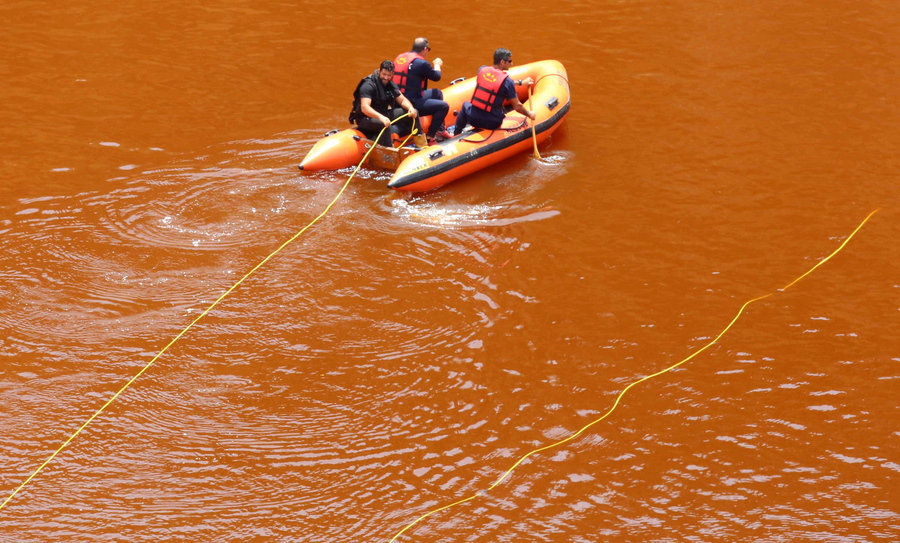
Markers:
{"x": 432, "y": 103}
{"x": 469, "y": 114}
{"x": 371, "y": 127}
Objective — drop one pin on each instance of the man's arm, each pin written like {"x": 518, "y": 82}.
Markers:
{"x": 423, "y": 69}
{"x": 435, "y": 74}
{"x": 365, "y": 105}
{"x": 517, "y": 105}
{"x": 514, "y": 100}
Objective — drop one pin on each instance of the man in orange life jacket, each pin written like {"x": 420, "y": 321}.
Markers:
{"x": 412, "y": 72}
{"x": 492, "y": 88}
{"x": 374, "y": 105}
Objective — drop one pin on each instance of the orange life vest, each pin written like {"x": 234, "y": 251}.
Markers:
{"x": 487, "y": 88}
{"x": 401, "y": 70}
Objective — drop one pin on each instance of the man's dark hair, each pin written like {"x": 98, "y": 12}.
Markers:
{"x": 502, "y": 54}
{"x": 387, "y": 65}
{"x": 419, "y": 45}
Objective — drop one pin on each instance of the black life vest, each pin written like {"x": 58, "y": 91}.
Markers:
{"x": 487, "y": 88}
{"x": 382, "y": 102}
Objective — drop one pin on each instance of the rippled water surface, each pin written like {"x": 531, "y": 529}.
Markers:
{"x": 407, "y": 349}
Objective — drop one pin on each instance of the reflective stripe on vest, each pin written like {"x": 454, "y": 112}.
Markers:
{"x": 487, "y": 88}
{"x": 401, "y": 70}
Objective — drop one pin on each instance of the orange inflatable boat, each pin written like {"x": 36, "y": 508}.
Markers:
{"x": 420, "y": 169}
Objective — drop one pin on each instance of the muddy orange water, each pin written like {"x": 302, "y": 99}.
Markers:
{"x": 407, "y": 350}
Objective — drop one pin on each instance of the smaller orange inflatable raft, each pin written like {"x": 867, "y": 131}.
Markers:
{"x": 420, "y": 169}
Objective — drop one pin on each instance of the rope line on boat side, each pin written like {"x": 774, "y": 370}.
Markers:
{"x": 203, "y": 314}
{"x": 629, "y": 387}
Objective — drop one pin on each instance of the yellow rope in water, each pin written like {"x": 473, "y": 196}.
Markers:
{"x": 533, "y": 133}
{"x": 626, "y": 389}
{"x": 188, "y": 327}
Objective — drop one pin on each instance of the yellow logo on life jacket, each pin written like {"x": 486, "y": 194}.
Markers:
{"x": 488, "y": 76}
{"x": 402, "y": 60}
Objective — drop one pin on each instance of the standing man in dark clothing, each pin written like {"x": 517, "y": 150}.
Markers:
{"x": 412, "y": 72}
{"x": 492, "y": 88}
{"x": 375, "y": 102}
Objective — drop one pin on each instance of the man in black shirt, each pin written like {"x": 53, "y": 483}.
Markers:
{"x": 375, "y": 102}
